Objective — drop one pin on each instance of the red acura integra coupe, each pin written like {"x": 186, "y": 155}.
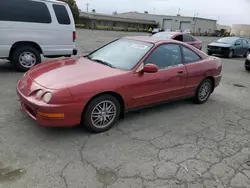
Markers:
{"x": 127, "y": 73}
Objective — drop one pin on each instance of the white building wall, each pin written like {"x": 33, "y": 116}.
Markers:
{"x": 240, "y": 30}
{"x": 204, "y": 26}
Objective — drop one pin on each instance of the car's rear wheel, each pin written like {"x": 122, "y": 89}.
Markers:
{"x": 101, "y": 114}
{"x": 25, "y": 57}
{"x": 204, "y": 91}
{"x": 247, "y": 53}
{"x": 230, "y": 54}
{"x": 247, "y": 68}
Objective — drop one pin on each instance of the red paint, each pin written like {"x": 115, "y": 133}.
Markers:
{"x": 74, "y": 81}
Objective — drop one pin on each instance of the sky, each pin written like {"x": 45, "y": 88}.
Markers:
{"x": 227, "y": 12}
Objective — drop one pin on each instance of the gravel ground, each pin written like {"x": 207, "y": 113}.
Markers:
{"x": 176, "y": 145}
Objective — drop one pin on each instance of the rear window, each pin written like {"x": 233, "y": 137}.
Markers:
{"x": 162, "y": 36}
{"x": 61, "y": 14}
{"x": 24, "y": 11}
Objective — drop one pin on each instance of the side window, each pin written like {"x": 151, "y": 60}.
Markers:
{"x": 61, "y": 14}
{"x": 24, "y": 11}
{"x": 194, "y": 39}
{"x": 245, "y": 41}
{"x": 179, "y": 38}
{"x": 187, "y": 38}
{"x": 166, "y": 55}
{"x": 238, "y": 42}
{"x": 189, "y": 55}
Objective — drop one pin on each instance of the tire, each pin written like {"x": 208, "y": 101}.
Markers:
{"x": 28, "y": 51}
{"x": 199, "y": 99}
{"x": 92, "y": 123}
{"x": 247, "y": 53}
{"x": 230, "y": 54}
{"x": 247, "y": 68}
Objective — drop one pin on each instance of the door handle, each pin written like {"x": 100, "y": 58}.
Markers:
{"x": 180, "y": 72}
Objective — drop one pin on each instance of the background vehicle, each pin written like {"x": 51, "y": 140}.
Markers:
{"x": 229, "y": 47}
{"x": 31, "y": 28}
{"x": 182, "y": 37}
{"x": 187, "y": 31}
{"x": 247, "y": 63}
{"x": 128, "y": 73}
{"x": 157, "y": 30}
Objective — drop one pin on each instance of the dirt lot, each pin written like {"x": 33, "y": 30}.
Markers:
{"x": 176, "y": 145}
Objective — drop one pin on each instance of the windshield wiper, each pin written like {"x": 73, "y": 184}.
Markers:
{"x": 102, "y": 62}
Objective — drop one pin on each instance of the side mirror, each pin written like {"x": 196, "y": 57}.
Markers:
{"x": 150, "y": 68}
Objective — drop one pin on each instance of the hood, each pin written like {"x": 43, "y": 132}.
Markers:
{"x": 68, "y": 72}
{"x": 219, "y": 44}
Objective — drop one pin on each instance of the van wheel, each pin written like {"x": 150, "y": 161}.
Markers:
{"x": 25, "y": 57}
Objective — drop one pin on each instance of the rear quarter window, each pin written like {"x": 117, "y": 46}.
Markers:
{"x": 24, "y": 11}
{"x": 61, "y": 14}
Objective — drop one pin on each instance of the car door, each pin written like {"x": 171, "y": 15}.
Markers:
{"x": 168, "y": 83}
{"x": 195, "y": 69}
{"x": 245, "y": 45}
{"x": 238, "y": 50}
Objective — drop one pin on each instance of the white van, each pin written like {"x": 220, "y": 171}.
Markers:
{"x": 31, "y": 28}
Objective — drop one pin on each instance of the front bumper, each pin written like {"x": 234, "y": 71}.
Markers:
{"x": 72, "y": 112}
{"x": 221, "y": 51}
{"x": 247, "y": 63}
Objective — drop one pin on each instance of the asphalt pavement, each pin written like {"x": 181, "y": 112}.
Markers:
{"x": 175, "y": 145}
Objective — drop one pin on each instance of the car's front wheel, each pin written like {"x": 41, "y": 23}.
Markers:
{"x": 247, "y": 68}
{"x": 204, "y": 91}
{"x": 230, "y": 54}
{"x": 25, "y": 57}
{"x": 247, "y": 53}
{"x": 101, "y": 114}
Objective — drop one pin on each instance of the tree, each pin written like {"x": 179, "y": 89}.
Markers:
{"x": 115, "y": 12}
{"x": 93, "y": 10}
{"x": 74, "y": 8}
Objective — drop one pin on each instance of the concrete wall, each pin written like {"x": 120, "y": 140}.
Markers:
{"x": 204, "y": 26}
{"x": 240, "y": 30}
{"x": 198, "y": 25}
{"x": 225, "y": 27}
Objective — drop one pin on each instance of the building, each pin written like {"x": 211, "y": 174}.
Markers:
{"x": 195, "y": 24}
{"x": 240, "y": 30}
{"x": 224, "y": 27}
{"x": 114, "y": 22}
{"x": 134, "y": 21}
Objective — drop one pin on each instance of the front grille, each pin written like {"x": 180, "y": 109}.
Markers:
{"x": 30, "y": 110}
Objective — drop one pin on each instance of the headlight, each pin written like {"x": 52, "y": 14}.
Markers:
{"x": 248, "y": 57}
{"x": 39, "y": 94}
{"x": 47, "y": 97}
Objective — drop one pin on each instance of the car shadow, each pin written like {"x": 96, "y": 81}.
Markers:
{"x": 157, "y": 108}
{"x": 6, "y": 66}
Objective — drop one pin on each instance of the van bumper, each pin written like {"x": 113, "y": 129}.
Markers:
{"x": 75, "y": 51}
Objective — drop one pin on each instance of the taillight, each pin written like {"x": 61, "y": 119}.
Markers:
{"x": 74, "y": 36}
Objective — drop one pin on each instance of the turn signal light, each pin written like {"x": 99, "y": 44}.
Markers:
{"x": 51, "y": 115}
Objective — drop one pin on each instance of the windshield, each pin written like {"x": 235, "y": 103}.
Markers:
{"x": 227, "y": 40}
{"x": 122, "y": 54}
{"x": 162, "y": 35}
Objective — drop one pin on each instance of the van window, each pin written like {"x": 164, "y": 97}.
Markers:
{"x": 62, "y": 14}
{"x": 24, "y": 11}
